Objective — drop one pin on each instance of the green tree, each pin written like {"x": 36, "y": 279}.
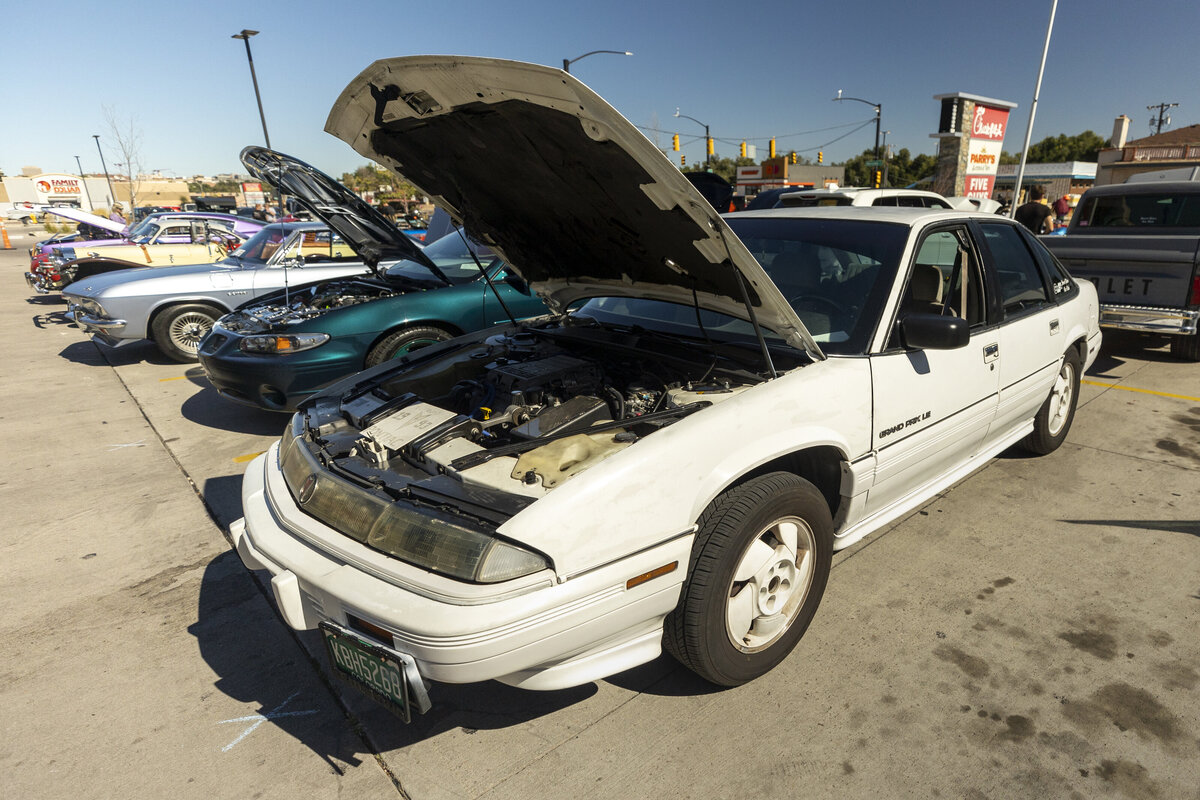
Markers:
{"x": 903, "y": 168}
{"x": 725, "y": 167}
{"x": 1084, "y": 146}
{"x": 386, "y": 185}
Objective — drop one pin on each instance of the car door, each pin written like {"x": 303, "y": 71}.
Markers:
{"x": 1031, "y": 336}
{"x": 932, "y": 408}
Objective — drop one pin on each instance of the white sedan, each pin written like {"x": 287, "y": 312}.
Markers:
{"x": 672, "y": 456}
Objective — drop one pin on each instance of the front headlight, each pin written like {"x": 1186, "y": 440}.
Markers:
{"x": 434, "y": 542}
{"x": 87, "y": 304}
{"x": 292, "y": 343}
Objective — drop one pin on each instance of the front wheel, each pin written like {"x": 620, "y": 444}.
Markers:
{"x": 758, "y": 570}
{"x": 1053, "y": 420}
{"x": 405, "y": 341}
{"x": 178, "y": 330}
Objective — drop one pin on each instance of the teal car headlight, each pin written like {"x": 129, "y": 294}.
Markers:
{"x": 291, "y": 343}
{"x": 421, "y": 538}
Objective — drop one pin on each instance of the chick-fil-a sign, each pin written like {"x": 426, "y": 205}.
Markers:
{"x": 989, "y": 123}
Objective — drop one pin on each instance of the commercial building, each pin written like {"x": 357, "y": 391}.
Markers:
{"x": 1170, "y": 150}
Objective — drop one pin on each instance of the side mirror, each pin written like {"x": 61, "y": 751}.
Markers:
{"x": 293, "y": 263}
{"x": 934, "y": 332}
{"x": 517, "y": 282}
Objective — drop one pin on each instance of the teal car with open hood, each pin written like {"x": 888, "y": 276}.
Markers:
{"x": 281, "y": 348}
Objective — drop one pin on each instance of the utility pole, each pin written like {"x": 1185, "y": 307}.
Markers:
{"x": 83, "y": 178}
{"x": 1163, "y": 117}
{"x": 112, "y": 196}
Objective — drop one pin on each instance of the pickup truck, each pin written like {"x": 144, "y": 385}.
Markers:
{"x": 1139, "y": 243}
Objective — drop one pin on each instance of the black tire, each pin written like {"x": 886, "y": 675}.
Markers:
{"x": 1052, "y": 423}
{"x": 177, "y": 330}
{"x": 1186, "y": 348}
{"x": 700, "y": 632}
{"x": 404, "y": 341}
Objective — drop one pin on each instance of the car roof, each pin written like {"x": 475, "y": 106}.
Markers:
{"x": 894, "y": 214}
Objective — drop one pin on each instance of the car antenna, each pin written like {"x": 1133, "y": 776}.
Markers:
{"x": 486, "y": 277}
{"x": 286, "y": 287}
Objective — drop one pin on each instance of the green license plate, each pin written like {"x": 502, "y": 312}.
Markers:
{"x": 374, "y": 670}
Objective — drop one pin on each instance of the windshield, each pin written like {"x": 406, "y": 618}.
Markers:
{"x": 262, "y": 245}
{"x": 834, "y": 273}
{"x": 452, "y": 257}
{"x": 140, "y": 229}
{"x": 319, "y": 247}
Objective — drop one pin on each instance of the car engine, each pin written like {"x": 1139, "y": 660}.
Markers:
{"x": 304, "y": 304}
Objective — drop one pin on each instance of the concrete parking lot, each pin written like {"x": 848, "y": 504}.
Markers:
{"x": 1033, "y": 632}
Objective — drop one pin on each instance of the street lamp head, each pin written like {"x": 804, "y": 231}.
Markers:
{"x": 839, "y": 97}
{"x": 245, "y": 34}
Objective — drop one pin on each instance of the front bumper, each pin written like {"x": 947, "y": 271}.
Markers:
{"x": 42, "y": 284}
{"x": 552, "y": 635}
{"x": 273, "y": 381}
{"x": 1150, "y": 320}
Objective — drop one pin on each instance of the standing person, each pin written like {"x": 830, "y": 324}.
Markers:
{"x": 260, "y": 212}
{"x": 1035, "y": 214}
{"x": 1062, "y": 207}
{"x": 116, "y": 216}
{"x": 271, "y": 214}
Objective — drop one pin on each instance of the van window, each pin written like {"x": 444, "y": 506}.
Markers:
{"x": 1140, "y": 211}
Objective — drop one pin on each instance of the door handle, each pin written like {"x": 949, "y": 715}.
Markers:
{"x": 991, "y": 352}
{"x": 1053, "y": 327}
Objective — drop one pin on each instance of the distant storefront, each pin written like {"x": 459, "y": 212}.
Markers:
{"x": 88, "y": 193}
{"x": 1067, "y": 178}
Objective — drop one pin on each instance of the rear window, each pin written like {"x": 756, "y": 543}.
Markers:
{"x": 1140, "y": 211}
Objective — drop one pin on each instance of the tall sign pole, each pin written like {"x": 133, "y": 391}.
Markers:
{"x": 1037, "y": 90}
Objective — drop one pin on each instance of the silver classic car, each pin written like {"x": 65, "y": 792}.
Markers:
{"x": 176, "y": 306}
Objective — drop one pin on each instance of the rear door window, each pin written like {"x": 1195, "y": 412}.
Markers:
{"x": 1021, "y": 285}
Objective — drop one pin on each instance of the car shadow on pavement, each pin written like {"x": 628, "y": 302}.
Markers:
{"x": 51, "y": 319}
{"x": 663, "y": 677}
{"x": 46, "y": 300}
{"x": 206, "y": 407}
{"x": 83, "y": 353}
{"x": 1121, "y": 346}
{"x": 223, "y": 496}
{"x": 1189, "y": 527}
{"x": 257, "y": 662}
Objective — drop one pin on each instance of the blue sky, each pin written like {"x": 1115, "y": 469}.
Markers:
{"x": 751, "y": 71}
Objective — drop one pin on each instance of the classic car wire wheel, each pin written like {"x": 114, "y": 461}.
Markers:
{"x": 186, "y": 330}
{"x": 770, "y": 584}
{"x": 1060, "y": 398}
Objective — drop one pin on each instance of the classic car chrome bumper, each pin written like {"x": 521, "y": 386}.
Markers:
{"x": 96, "y": 324}
{"x": 39, "y": 283}
{"x": 1149, "y": 320}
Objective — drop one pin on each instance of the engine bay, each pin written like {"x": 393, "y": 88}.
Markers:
{"x": 519, "y": 412}
{"x": 305, "y": 304}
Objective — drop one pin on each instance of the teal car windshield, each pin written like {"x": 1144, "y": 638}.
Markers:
{"x": 453, "y": 257}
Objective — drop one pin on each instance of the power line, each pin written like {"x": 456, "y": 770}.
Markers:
{"x": 1163, "y": 117}
{"x": 738, "y": 139}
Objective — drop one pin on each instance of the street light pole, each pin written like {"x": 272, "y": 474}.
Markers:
{"x": 878, "y": 114}
{"x": 112, "y": 196}
{"x": 886, "y": 159}
{"x": 83, "y": 178}
{"x": 567, "y": 62}
{"x": 245, "y": 37}
{"x": 707, "y": 139}
{"x": 1037, "y": 89}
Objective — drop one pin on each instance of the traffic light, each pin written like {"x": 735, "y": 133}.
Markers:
{"x": 743, "y": 150}
{"x": 820, "y": 157}
{"x": 772, "y": 148}
{"x": 683, "y": 161}
{"x": 675, "y": 143}
{"x": 878, "y": 178}
{"x": 711, "y": 149}
{"x": 792, "y": 157}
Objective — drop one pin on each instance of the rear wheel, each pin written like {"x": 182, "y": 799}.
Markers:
{"x": 1053, "y": 420}
{"x": 178, "y": 330}
{"x": 1186, "y": 348}
{"x": 405, "y": 341}
{"x": 758, "y": 570}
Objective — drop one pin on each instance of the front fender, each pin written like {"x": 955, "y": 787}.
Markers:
{"x": 658, "y": 487}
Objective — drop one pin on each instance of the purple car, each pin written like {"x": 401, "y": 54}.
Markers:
{"x": 167, "y": 227}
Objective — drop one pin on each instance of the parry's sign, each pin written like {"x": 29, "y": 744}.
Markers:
{"x": 983, "y": 151}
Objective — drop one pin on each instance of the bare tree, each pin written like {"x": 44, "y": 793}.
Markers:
{"x": 128, "y": 138}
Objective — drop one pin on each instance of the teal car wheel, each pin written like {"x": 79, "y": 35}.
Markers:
{"x": 405, "y": 341}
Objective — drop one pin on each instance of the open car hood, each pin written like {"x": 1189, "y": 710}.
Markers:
{"x": 542, "y": 169}
{"x": 95, "y": 220}
{"x": 369, "y": 233}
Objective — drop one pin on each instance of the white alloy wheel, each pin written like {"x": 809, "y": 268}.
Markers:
{"x": 770, "y": 584}
{"x": 1061, "y": 397}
